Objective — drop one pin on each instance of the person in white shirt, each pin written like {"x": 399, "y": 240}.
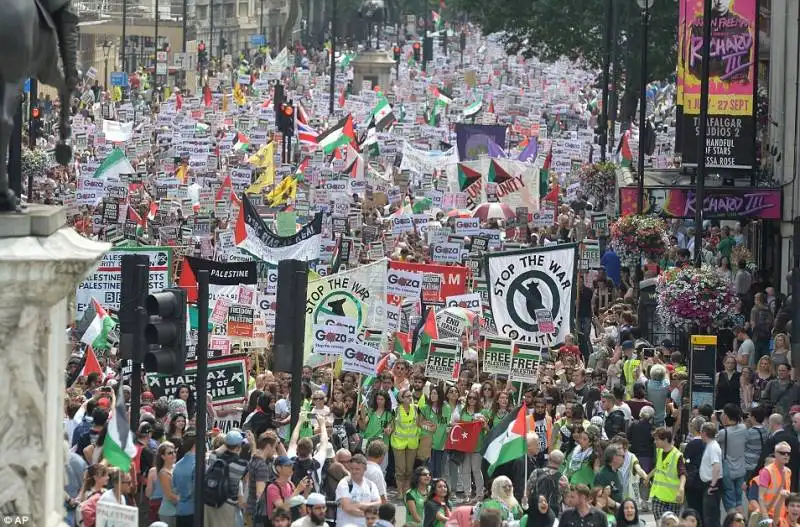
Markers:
{"x": 376, "y": 451}
{"x": 355, "y": 494}
{"x": 316, "y": 507}
{"x": 120, "y": 487}
{"x": 711, "y": 474}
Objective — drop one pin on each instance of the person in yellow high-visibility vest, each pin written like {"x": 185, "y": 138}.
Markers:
{"x": 630, "y": 367}
{"x": 405, "y": 440}
{"x": 668, "y": 478}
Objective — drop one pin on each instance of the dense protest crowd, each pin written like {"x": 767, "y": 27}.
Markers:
{"x": 599, "y": 430}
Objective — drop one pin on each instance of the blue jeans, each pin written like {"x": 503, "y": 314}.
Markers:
{"x": 437, "y": 463}
{"x": 732, "y": 492}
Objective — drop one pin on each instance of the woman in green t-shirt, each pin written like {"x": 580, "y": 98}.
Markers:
{"x": 375, "y": 422}
{"x": 501, "y": 407}
{"x": 434, "y": 417}
{"x": 415, "y": 496}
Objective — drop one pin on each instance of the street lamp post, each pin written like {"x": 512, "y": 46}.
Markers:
{"x": 606, "y": 79}
{"x": 261, "y": 20}
{"x": 106, "y": 53}
{"x": 700, "y": 180}
{"x": 645, "y": 6}
{"x": 332, "y": 86}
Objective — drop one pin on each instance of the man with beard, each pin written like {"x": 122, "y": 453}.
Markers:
{"x": 542, "y": 425}
{"x": 316, "y": 508}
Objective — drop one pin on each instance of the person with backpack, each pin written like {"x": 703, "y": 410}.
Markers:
{"x": 355, "y": 494}
{"x": 279, "y": 492}
{"x": 225, "y": 470}
{"x": 614, "y": 422}
{"x": 549, "y": 481}
{"x": 761, "y": 320}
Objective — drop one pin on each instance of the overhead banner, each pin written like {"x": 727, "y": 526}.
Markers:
{"x": 251, "y": 234}
{"x": 424, "y": 161}
{"x": 517, "y": 183}
{"x": 359, "y": 294}
{"x": 438, "y": 281}
{"x": 473, "y": 140}
{"x": 732, "y": 70}
{"x": 532, "y": 293}
{"x": 227, "y": 381}
{"x": 224, "y": 278}
{"x": 105, "y": 283}
{"x": 443, "y": 361}
{"x": 718, "y": 203}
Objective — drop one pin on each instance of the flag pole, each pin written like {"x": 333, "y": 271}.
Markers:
{"x": 524, "y": 503}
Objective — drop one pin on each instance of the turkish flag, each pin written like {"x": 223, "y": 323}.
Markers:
{"x": 464, "y": 437}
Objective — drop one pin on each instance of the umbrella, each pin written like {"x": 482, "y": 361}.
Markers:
{"x": 493, "y": 211}
{"x": 461, "y": 312}
{"x": 459, "y": 213}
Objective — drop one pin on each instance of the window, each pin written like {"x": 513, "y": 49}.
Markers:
{"x": 229, "y": 11}
{"x": 202, "y": 12}
{"x": 244, "y": 9}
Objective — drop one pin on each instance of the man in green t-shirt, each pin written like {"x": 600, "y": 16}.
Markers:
{"x": 609, "y": 474}
{"x": 726, "y": 243}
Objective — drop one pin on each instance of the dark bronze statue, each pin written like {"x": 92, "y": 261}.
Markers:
{"x": 374, "y": 13}
{"x": 33, "y": 35}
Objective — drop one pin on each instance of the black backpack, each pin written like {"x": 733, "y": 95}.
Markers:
{"x": 217, "y": 483}
{"x": 764, "y": 321}
{"x": 545, "y": 482}
{"x": 614, "y": 423}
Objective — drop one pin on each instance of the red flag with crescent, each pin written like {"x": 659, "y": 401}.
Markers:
{"x": 464, "y": 436}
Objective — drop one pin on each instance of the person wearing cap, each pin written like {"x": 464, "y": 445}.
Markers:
{"x": 225, "y": 516}
{"x": 281, "y": 491}
{"x": 316, "y": 508}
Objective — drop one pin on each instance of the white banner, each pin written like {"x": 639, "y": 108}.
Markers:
{"x": 426, "y": 162}
{"x": 523, "y": 285}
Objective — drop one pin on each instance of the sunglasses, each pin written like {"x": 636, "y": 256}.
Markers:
{"x": 317, "y": 398}
{"x": 783, "y": 453}
{"x": 169, "y": 452}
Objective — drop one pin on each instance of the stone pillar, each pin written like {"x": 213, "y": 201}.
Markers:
{"x": 375, "y": 66}
{"x": 41, "y": 263}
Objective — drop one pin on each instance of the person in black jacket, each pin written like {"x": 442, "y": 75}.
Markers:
{"x": 778, "y": 433}
{"x": 693, "y": 455}
{"x": 263, "y": 418}
{"x": 615, "y": 418}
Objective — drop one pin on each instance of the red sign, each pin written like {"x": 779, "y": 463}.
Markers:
{"x": 444, "y": 280}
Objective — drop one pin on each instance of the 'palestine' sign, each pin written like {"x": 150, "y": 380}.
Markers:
{"x": 532, "y": 293}
{"x": 524, "y": 362}
{"x": 497, "y": 355}
{"x": 443, "y": 360}
{"x": 227, "y": 381}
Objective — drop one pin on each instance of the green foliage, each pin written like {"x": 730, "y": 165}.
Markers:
{"x": 550, "y": 29}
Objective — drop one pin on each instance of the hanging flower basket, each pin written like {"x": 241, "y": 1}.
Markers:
{"x": 634, "y": 235}
{"x": 34, "y": 162}
{"x": 690, "y": 296}
{"x": 598, "y": 179}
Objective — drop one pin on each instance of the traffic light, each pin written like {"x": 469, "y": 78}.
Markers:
{"x": 165, "y": 332}
{"x": 397, "y": 51}
{"x": 427, "y": 49}
{"x": 202, "y": 56}
{"x": 36, "y": 128}
{"x": 416, "y": 48}
{"x": 286, "y": 124}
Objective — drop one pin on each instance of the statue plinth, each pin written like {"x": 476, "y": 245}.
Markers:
{"x": 375, "y": 66}
{"x": 41, "y": 264}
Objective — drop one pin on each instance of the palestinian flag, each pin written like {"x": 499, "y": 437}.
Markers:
{"x": 342, "y": 133}
{"x": 90, "y": 364}
{"x": 136, "y": 218}
{"x": 624, "y": 154}
{"x": 113, "y": 166}
{"x": 96, "y": 335}
{"x": 437, "y": 20}
{"x": 506, "y": 440}
{"x": 467, "y": 176}
{"x": 442, "y": 95}
{"x": 241, "y": 142}
{"x": 428, "y": 332}
{"x": 118, "y": 448}
{"x": 402, "y": 345}
{"x": 497, "y": 174}
{"x": 473, "y": 108}
{"x": 382, "y": 114}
